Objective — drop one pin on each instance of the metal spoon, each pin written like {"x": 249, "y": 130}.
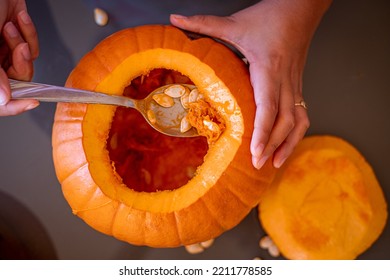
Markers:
{"x": 167, "y": 119}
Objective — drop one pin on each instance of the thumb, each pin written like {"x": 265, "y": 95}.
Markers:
{"x": 5, "y": 91}
{"x": 212, "y": 26}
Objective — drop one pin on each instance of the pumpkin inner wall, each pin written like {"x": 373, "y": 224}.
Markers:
{"x": 147, "y": 160}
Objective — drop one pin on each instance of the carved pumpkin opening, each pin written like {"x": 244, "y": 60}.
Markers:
{"x": 225, "y": 186}
{"x": 145, "y": 159}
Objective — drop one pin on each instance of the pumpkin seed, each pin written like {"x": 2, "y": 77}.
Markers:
{"x": 101, "y": 17}
{"x": 265, "y": 242}
{"x": 200, "y": 97}
{"x": 212, "y": 126}
{"x": 163, "y": 100}
{"x": 147, "y": 176}
{"x": 184, "y": 99}
{"x": 207, "y": 244}
{"x": 274, "y": 251}
{"x": 114, "y": 141}
{"x": 194, "y": 248}
{"x": 151, "y": 116}
{"x": 175, "y": 91}
{"x": 185, "y": 125}
{"x": 193, "y": 97}
{"x": 191, "y": 170}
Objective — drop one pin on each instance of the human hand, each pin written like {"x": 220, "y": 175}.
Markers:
{"x": 18, "y": 49}
{"x": 274, "y": 36}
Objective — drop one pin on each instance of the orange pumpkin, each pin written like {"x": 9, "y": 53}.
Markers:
{"x": 325, "y": 202}
{"x": 128, "y": 181}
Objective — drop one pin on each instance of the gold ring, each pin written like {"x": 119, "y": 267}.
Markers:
{"x": 301, "y": 103}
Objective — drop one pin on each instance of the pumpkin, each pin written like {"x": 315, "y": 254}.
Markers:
{"x": 126, "y": 180}
{"x": 325, "y": 202}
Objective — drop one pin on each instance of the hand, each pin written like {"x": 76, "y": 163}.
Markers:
{"x": 18, "y": 49}
{"x": 274, "y": 35}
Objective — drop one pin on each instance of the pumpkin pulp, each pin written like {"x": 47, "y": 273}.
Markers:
{"x": 146, "y": 160}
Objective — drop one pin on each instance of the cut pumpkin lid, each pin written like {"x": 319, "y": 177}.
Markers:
{"x": 325, "y": 202}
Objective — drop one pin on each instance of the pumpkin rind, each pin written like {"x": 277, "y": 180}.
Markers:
{"x": 193, "y": 213}
{"x": 325, "y": 202}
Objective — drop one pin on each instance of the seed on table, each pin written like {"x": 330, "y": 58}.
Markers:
{"x": 194, "y": 248}
{"x": 207, "y": 244}
{"x": 274, "y": 251}
{"x": 101, "y": 17}
{"x": 265, "y": 242}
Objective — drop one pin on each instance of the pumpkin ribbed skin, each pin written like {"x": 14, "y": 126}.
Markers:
{"x": 325, "y": 202}
{"x": 198, "y": 211}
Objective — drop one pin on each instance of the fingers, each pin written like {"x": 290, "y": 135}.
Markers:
{"x": 13, "y": 107}
{"x": 16, "y": 107}
{"x": 29, "y": 32}
{"x": 21, "y": 69}
{"x": 21, "y": 58}
{"x": 213, "y": 26}
{"x": 5, "y": 91}
{"x": 20, "y": 63}
{"x": 25, "y": 32}
{"x": 279, "y": 124}
{"x": 284, "y": 124}
{"x": 11, "y": 35}
{"x": 22, "y": 66}
{"x": 266, "y": 93}
{"x": 296, "y": 135}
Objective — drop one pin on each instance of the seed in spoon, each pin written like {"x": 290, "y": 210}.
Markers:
{"x": 193, "y": 97}
{"x": 175, "y": 91}
{"x": 184, "y": 99}
{"x": 151, "y": 116}
{"x": 163, "y": 100}
{"x": 185, "y": 125}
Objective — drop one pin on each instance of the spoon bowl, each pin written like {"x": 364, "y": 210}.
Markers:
{"x": 165, "y": 119}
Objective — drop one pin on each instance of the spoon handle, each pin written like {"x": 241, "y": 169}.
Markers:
{"x": 50, "y": 93}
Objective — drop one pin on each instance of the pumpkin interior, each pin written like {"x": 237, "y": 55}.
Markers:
{"x": 145, "y": 159}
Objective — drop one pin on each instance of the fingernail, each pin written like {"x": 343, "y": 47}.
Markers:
{"x": 26, "y": 19}
{"x": 259, "y": 149}
{"x": 179, "y": 16}
{"x": 11, "y": 30}
{"x": 26, "y": 52}
{"x": 3, "y": 100}
{"x": 279, "y": 163}
{"x": 259, "y": 162}
{"x": 32, "y": 106}
{"x": 3, "y": 97}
